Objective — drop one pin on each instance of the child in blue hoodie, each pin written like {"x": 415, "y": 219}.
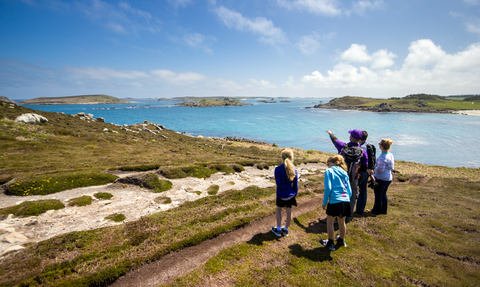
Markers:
{"x": 336, "y": 199}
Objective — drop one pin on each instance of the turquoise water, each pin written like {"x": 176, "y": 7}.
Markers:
{"x": 440, "y": 139}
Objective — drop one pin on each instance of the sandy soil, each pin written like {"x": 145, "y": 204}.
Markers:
{"x": 132, "y": 201}
{"x": 469, "y": 112}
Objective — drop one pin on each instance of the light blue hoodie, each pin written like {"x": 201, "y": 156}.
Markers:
{"x": 337, "y": 186}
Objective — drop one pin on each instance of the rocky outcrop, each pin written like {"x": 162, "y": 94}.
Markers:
{"x": 31, "y": 119}
{"x": 381, "y": 108}
{"x": 6, "y": 100}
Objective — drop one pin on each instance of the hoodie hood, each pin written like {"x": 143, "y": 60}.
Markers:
{"x": 340, "y": 172}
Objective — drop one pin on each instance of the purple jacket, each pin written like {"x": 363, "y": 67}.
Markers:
{"x": 339, "y": 145}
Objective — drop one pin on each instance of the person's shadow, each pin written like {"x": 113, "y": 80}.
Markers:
{"x": 318, "y": 254}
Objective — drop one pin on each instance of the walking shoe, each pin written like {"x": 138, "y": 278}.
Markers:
{"x": 337, "y": 237}
{"x": 284, "y": 232}
{"x": 341, "y": 242}
{"x": 276, "y": 231}
{"x": 331, "y": 245}
{"x": 323, "y": 242}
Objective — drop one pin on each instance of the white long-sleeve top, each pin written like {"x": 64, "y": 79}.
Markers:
{"x": 385, "y": 165}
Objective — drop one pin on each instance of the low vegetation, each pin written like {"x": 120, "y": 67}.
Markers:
{"x": 80, "y": 201}
{"x": 103, "y": 195}
{"x": 73, "y": 100}
{"x": 116, "y": 217}
{"x": 31, "y": 208}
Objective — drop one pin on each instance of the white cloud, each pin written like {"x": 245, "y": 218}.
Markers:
{"x": 291, "y": 84}
{"x": 324, "y": 7}
{"x": 269, "y": 34}
{"x": 102, "y": 73}
{"x": 178, "y": 78}
{"x": 123, "y": 19}
{"x": 262, "y": 84}
{"x": 308, "y": 44}
{"x": 177, "y": 3}
{"x": 360, "y": 7}
{"x": 359, "y": 54}
{"x": 197, "y": 40}
{"x": 356, "y": 53}
{"x": 473, "y": 26}
{"x": 382, "y": 59}
{"x": 471, "y": 2}
{"x": 427, "y": 68}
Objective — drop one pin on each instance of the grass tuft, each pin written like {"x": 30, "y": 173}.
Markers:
{"x": 80, "y": 201}
{"x": 116, "y": 217}
{"x": 31, "y": 208}
{"x": 103, "y": 195}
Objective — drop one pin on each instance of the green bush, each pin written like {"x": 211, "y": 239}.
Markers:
{"x": 163, "y": 200}
{"x": 42, "y": 185}
{"x": 103, "y": 195}
{"x": 140, "y": 167}
{"x": 158, "y": 185}
{"x": 31, "y": 208}
{"x": 116, "y": 217}
{"x": 80, "y": 201}
{"x": 213, "y": 189}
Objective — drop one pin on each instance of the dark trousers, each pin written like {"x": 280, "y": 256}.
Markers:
{"x": 381, "y": 199}
{"x": 362, "y": 195}
{"x": 353, "y": 198}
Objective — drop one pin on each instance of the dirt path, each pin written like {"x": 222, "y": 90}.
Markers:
{"x": 176, "y": 264}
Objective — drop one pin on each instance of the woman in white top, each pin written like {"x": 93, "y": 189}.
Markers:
{"x": 383, "y": 176}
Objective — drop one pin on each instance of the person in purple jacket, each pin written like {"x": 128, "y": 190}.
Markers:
{"x": 286, "y": 178}
{"x": 355, "y": 137}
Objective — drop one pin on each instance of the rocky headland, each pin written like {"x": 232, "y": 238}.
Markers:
{"x": 74, "y": 100}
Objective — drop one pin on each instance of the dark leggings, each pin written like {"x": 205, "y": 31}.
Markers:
{"x": 381, "y": 199}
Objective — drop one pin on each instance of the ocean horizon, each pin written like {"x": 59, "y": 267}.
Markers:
{"x": 436, "y": 139}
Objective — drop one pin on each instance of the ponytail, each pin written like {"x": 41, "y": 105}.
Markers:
{"x": 337, "y": 160}
{"x": 287, "y": 156}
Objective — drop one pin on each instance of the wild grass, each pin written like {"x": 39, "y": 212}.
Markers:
{"x": 103, "y": 195}
{"x": 80, "y": 201}
{"x": 31, "y": 208}
{"x": 116, "y": 217}
{"x": 100, "y": 256}
{"x": 429, "y": 238}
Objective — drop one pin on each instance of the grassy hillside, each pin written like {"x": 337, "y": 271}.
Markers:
{"x": 411, "y": 103}
{"x": 429, "y": 238}
{"x": 73, "y": 100}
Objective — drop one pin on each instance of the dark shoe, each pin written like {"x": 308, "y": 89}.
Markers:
{"x": 276, "y": 231}
{"x": 337, "y": 237}
{"x": 323, "y": 242}
{"x": 331, "y": 245}
{"x": 341, "y": 242}
{"x": 284, "y": 232}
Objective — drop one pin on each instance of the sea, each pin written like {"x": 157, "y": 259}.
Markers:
{"x": 435, "y": 139}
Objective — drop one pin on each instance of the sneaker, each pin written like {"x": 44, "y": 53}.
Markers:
{"x": 284, "y": 232}
{"x": 331, "y": 245}
{"x": 337, "y": 237}
{"x": 323, "y": 242}
{"x": 276, "y": 231}
{"x": 341, "y": 242}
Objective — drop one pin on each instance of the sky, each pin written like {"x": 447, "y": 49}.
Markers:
{"x": 239, "y": 48}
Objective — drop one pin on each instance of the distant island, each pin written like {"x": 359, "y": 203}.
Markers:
{"x": 74, "y": 100}
{"x": 207, "y": 103}
{"x": 418, "y": 103}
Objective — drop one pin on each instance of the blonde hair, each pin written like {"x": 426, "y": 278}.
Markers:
{"x": 386, "y": 143}
{"x": 337, "y": 160}
{"x": 287, "y": 156}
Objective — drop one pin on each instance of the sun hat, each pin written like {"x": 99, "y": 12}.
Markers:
{"x": 356, "y": 134}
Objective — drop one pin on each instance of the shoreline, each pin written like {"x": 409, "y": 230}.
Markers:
{"x": 468, "y": 112}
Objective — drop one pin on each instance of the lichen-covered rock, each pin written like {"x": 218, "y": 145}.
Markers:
{"x": 31, "y": 119}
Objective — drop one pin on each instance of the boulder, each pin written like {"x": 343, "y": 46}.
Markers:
{"x": 100, "y": 119}
{"x": 15, "y": 237}
{"x": 81, "y": 114}
{"x": 12, "y": 249}
{"x": 31, "y": 119}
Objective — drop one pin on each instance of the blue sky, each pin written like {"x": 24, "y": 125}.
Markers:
{"x": 272, "y": 48}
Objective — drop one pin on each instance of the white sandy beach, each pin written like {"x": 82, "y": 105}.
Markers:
{"x": 468, "y": 112}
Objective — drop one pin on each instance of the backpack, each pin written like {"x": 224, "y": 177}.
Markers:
{"x": 372, "y": 156}
{"x": 352, "y": 156}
